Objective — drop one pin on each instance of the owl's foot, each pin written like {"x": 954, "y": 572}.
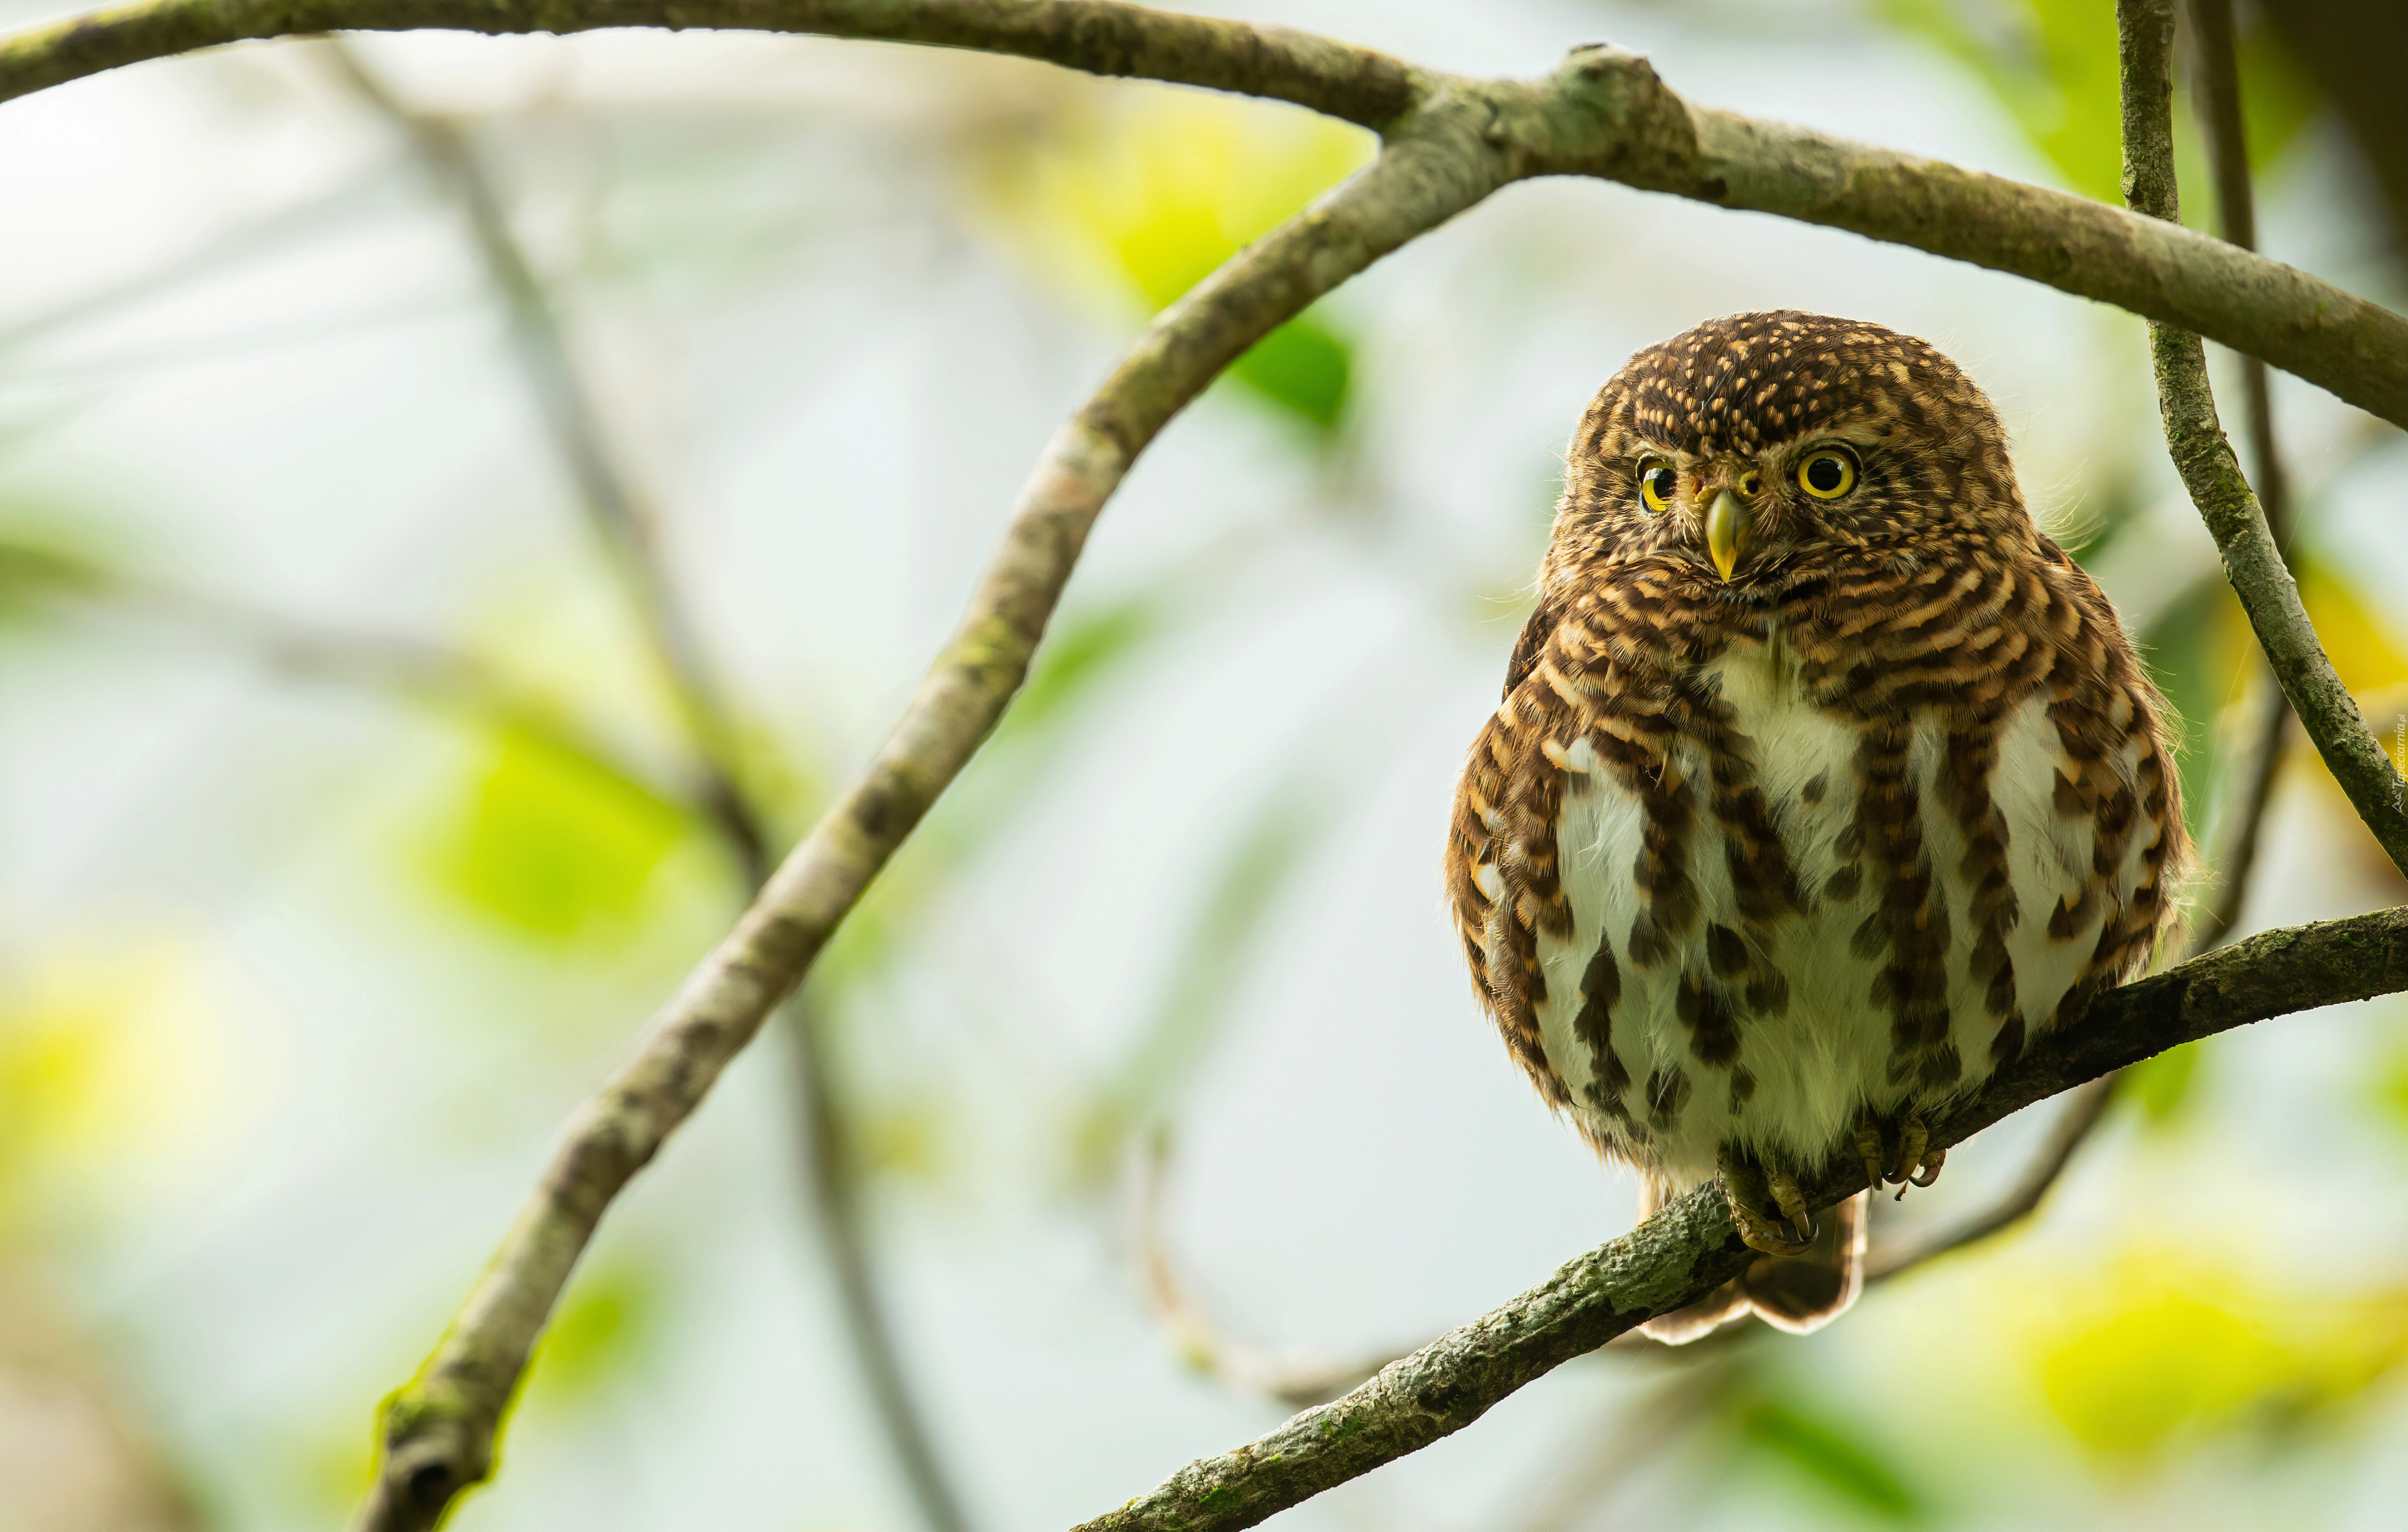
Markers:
{"x": 1771, "y": 1218}
{"x": 1909, "y": 1161}
{"x": 1918, "y": 1163}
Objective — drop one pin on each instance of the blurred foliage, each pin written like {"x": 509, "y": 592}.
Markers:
{"x": 106, "y": 1050}
{"x": 2165, "y": 1086}
{"x": 1200, "y": 994}
{"x": 602, "y": 1325}
{"x": 2051, "y": 64}
{"x": 2162, "y": 1351}
{"x": 1152, "y": 192}
{"x": 1830, "y": 1452}
{"x": 2200, "y": 651}
{"x": 550, "y": 846}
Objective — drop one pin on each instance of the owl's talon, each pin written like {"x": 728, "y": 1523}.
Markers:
{"x": 1792, "y": 1203}
{"x": 1930, "y": 1170}
{"x": 1918, "y": 1163}
{"x": 1746, "y": 1192}
{"x": 1870, "y": 1146}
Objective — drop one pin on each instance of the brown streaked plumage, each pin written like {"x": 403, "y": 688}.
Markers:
{"x": 1822, "y": 781}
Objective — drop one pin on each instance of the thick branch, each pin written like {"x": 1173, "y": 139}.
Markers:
{"x": 1605, "y": 114}
{"x": 1683, "y": 1252}
{"x": 2251, "y": 560}
{"x": 441, "y": 1429}
{"x": 1098, "y": 36}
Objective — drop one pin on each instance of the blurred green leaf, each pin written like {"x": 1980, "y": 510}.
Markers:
{"x": 1305, "y": 367}
{"x": 601, "y": 1326}
{"x": 2052, "y": 64}
{"x": 1080, "y": 653}
{"x": 1833, "y": 1455}
{"x": 2168, "y": 1350}
{"x": 551, "y": 846}
{"x": 2165, "y": 1087}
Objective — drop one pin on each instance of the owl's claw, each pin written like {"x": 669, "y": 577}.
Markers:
{"x": 1875, "y": 1154}
{"x": 1918, "y": 1163}
{"x": 1760, "y": 1212}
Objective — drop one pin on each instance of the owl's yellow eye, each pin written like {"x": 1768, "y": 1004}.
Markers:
{"x": 1827, "y": 474}
{"x": 1657, "y": 483}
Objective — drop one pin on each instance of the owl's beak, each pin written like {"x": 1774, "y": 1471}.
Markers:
{"x": 1726, "y": 532}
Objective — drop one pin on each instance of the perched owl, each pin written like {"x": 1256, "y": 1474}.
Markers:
{"x": 1823, "y": 781}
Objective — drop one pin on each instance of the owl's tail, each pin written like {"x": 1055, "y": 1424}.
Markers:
{"x": 1800, "y": 1294}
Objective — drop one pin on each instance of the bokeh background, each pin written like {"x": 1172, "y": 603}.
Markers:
{"x": 347, "y": 831}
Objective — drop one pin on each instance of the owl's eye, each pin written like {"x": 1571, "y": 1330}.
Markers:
{"x": 1657, "y": 483}
{"x": 1827, "y": 474}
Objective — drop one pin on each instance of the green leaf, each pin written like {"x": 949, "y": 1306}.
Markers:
{"x": 1832, "y": 1454}
{"x": 2166, "y": 1087}
{"x": 1304, "y": 367}
{"x": 600, "y": 1327}
{"x": 551, "y": 846}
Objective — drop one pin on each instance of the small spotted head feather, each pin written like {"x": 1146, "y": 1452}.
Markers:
{"x": 1829, "y": 435}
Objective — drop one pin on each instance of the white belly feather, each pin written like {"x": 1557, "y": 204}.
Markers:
{"x": 1813, "y": 1066}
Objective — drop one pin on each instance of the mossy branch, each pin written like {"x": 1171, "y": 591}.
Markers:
{"x": 1605, "y": 114}
{"x": 1688, "y": 1249}
{"x": 2195, "y": 438}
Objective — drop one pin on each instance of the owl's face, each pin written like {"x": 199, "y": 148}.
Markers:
{"x": 1752, "y": 451}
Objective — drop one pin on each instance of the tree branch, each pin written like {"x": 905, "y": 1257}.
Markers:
{"x": 626, "y": 520}
{"x": 1688, "y": 1249}
{"x": 440, "y": 1428}
{"x": 1098, "y": 36}
{"x": 2251, "y": 559}
{"x": 1604, "y": 114}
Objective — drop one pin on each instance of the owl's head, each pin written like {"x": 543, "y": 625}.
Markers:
{"x": 1752, "y": 450}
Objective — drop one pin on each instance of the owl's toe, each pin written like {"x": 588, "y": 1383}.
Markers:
{"x": 1918, "y": 1163}
{"x": 1767, "y": 1222}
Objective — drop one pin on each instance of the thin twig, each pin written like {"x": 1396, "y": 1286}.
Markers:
{"x": 436, "y": 677}
{"x": 622, "y": 516}
{"x": 1690, "y": 1247}
{"x": 1607, "y": 116}
{"x": 627, "y": 525}
{"x": 2217, "y": 95}
{"x": 1203, "y": 1344}
{"x": 2251, "y": 559}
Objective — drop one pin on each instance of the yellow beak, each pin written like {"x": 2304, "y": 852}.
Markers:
{"x": 1726, "y": 532}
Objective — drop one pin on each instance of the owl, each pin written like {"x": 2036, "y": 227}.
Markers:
{"x": 1822, "y": 783}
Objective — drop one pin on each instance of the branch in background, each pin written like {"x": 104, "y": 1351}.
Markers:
{"x": 440, "y": 1428}
{"x": 1688, "y": 1249}
{"x": 622, "y": 516}
{"x": 2085, "y": 1105}
{"x": 2251, "y": 559}
{"x": 1203, "y": 1345}
{"x": 434, "y": 676}
{"x": 1624, "y": 1438}
{"x": 627, "y": 525}
{"x": 1605, "y": 114}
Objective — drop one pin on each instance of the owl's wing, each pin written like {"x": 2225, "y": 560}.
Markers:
{"x": 1500, "y": 853}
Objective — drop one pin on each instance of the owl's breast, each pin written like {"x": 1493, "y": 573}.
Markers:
{"x": 1801, "y": 915}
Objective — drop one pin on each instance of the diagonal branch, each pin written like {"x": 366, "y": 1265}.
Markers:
{"x": 1683, "y": 1252}
{"x": 1605, "y": 114}
{"x": 441, "y": 1427}
{"x": 626, "y": 523}
{"x": 2251, "y": 559}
